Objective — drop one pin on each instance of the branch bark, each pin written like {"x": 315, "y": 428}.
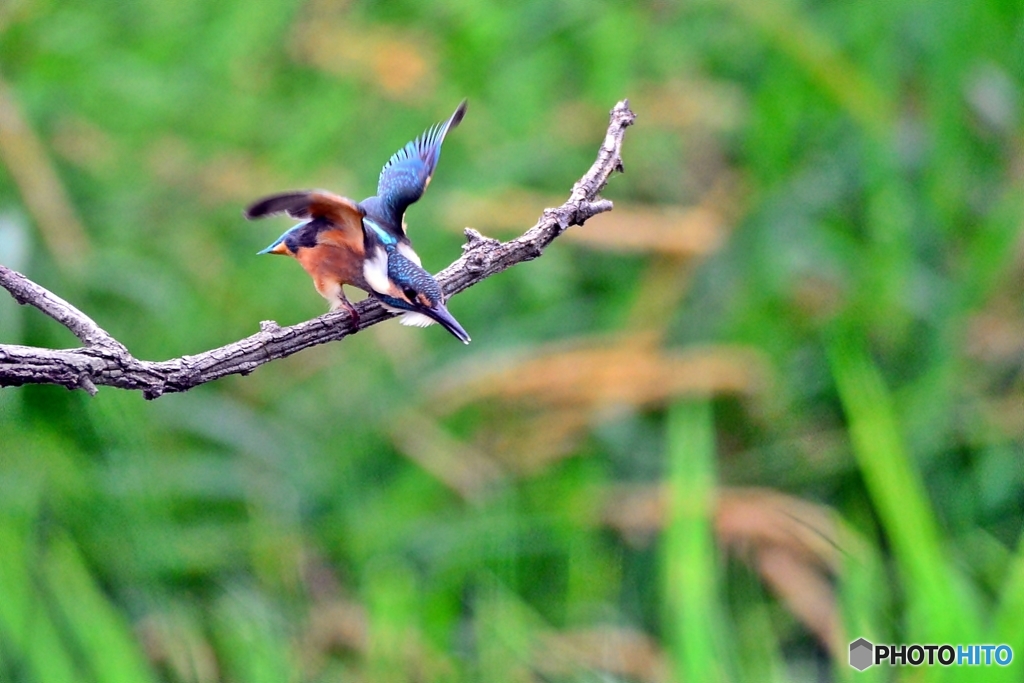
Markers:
{"x": 105, "y": 361}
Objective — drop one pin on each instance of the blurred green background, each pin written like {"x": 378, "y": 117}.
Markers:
{"x": 771, "y": 403}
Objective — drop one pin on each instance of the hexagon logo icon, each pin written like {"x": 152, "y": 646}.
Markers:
{"x": 860, "y": 654}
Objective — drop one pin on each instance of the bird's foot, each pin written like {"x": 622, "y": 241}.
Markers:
{"x": 353, "y": 315}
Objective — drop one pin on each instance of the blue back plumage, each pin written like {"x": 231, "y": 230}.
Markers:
{"x": 376, "y": 233}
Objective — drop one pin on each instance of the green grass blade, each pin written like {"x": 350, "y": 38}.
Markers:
{"x": 391, "y": 612}
{"x": 689, "y": 562}
{"x": 102, "y": 634}
{"x": 505, "y": 632}
{"x": 936, "y": 613}
{"x": 31, "y": 639}
{"x": 1008, "y": 621}
{"x": 249, "y": 644}
{"x": 865, "y": 598}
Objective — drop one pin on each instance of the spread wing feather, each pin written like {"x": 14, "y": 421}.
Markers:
{"x": 408, "y": 172}
{"x": 307, "y": 204}
{"x": 332, "y": 220}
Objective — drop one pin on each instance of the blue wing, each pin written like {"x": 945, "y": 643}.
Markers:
{"x": 407, "y": 174}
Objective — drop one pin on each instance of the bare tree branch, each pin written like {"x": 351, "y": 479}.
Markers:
{"x": 105, "y": 361}
{"x": 82, "y": 326}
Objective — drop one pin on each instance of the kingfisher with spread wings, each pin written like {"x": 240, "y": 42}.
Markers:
{"x": 365, "y": 244}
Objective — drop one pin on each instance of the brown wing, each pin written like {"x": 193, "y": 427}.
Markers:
{"x": 341, "y": 211}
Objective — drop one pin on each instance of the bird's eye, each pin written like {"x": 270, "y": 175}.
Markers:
{"x": 410, "y": 293}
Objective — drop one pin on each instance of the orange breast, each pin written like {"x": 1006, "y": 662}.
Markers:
{"x": 328, "y": 264}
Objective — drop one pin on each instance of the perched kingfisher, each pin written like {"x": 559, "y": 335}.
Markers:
{"x": 365, "y": 244}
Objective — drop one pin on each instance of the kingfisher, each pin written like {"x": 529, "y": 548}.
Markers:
{"x": 365, "y": 244}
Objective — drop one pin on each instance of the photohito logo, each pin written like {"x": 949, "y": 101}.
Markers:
{"x": 863, "y": 654}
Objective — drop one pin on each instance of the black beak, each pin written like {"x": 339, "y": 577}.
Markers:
{"x": 448, "y": 322}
